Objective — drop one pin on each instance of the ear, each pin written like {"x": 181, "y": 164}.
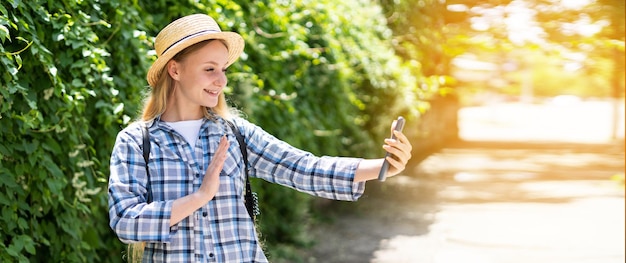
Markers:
{"x": 173, "y": 69}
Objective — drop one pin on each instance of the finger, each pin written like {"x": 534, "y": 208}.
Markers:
{"x": 400, "y": 155}
{"x": 395, "y": 165}
{"x": 404, "y": 147}
{"x": 401, "y": 136}
{"x": 222, "y": 149}
{"x": 402, "y": 142}
{"x": 224, "y": 144}
{"x": 217, "y": 163}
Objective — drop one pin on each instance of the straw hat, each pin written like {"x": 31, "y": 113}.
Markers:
{"x": 186, "y": 31}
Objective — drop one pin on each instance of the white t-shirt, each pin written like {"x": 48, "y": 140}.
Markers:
{"x": 189, "y": 129}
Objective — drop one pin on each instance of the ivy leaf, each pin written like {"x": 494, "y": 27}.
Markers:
{"x": 18, "y": 244}
{"x": 22, "y": 224}
{"x": 4, "y": 150}
{"x": 52, "y": 146}
{"x": 4, "y": 200}
{"x": 27, "y": 243}
{"x": 54, "y": 185}
{"x": 4, "y": 33}
{"x": 15, "y": 3}
{"x": 119, "y": 108}
{"x": 18, "y": 60}
{"x": 3, "y": 10}
{"x": 77, "y": 83}
{"x": 30, "y": 147}
{"x": 52, "y": 167}
{"x": 30, "y": 248}
{"x": 12, "y": 70}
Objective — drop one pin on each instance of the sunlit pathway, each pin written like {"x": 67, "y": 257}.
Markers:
{"x": 587, "y": 230}
{"x": 486, "y": 205}
{"x": 510, "y": 200}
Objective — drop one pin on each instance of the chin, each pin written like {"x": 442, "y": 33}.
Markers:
{"x": 210, "y": 104}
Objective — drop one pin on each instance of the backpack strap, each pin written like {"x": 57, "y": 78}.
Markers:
{"x": 146, "y": 156}
{"x": 251, "y": 199}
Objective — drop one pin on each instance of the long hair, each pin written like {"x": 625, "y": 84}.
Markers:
{"x": 156, "y": 103}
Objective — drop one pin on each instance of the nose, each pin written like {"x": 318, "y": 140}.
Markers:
{"x": 221, "y": 79}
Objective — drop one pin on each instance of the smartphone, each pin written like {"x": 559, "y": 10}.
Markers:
{"x": 383, "y": 170}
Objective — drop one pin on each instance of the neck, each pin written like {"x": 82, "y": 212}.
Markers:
{"x": 176, "y": 111}
{"x": 169, "y": 116}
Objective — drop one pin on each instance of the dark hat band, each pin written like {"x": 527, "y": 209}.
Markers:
{"x": 189, "y": 36}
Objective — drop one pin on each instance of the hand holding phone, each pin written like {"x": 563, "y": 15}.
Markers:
{"x": 383, "y": 170}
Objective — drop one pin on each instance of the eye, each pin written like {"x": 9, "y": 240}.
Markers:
{"x": 210, "y": 69}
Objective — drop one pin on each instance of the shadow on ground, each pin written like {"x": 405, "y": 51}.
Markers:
{"x": 465, "y": 173}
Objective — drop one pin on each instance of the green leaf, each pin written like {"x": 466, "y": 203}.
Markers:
{"x": 101, "y": 103}
{"x": 4, "y": 33}
{"x": 54, "y": 185}
{"x": 3, "y": 10}
{"x": 18, "y": 60}
{"x": 22, "y": 224}
{"x": 30, "y": 248}
{"x": 52, "y": 167}
{"x": 18, "y": 244}
{"x": 13, "y": 70}
{"x": 15, "y": 3}
{"x": 14, "y": 251}
{"x": 4, "y": 150}
{"x": 77, "y": 83}
{"x": 52, "y": 145}
{"x": 4, "y": 200}
{"x": 91, "y": 92}
{"x": 119, "y": 108}
{"x": 30, "y": 147}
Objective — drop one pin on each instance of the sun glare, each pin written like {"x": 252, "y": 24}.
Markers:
{"x": 575, "y": 4}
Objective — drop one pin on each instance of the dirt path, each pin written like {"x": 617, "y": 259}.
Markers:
{"x": 503, "y": 202}
{"x": 485, "y": 202}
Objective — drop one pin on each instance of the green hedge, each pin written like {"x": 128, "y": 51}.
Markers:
{"x": 318, "y": 74}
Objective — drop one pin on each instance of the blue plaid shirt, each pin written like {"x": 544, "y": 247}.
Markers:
{"x": 221, "y": 231}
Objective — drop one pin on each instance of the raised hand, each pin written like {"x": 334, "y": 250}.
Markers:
{"x": 400, "y": 149}
{"x": 211, "y": 181}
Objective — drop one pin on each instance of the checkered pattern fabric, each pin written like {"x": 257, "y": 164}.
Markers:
{"x": 221, "y": 231}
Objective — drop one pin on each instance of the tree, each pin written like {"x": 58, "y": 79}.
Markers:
{"x": 567, "y": 35}
{"x": 420, "y": 39}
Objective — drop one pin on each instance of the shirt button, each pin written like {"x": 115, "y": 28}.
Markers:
{"x": 205, "y": 214}
{"x": 197, "y": 175}
{"x": 211, "y": 255}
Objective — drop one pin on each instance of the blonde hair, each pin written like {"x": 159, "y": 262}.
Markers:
{"x": 156, "y": 102}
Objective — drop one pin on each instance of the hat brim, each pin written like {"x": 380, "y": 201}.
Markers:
{"x": 234, "y": 43}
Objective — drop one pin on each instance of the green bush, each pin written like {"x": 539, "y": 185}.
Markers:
{"x": 318, "y": 74}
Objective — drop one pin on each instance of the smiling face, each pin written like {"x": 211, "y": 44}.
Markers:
{"x": 199, "y": 76}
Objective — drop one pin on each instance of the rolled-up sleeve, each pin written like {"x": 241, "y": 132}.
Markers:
{"x": 130, "y": 216}
{"x": 278, "y": 162}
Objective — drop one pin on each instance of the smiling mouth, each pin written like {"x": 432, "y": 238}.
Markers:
{"x": 212, "y": 92}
